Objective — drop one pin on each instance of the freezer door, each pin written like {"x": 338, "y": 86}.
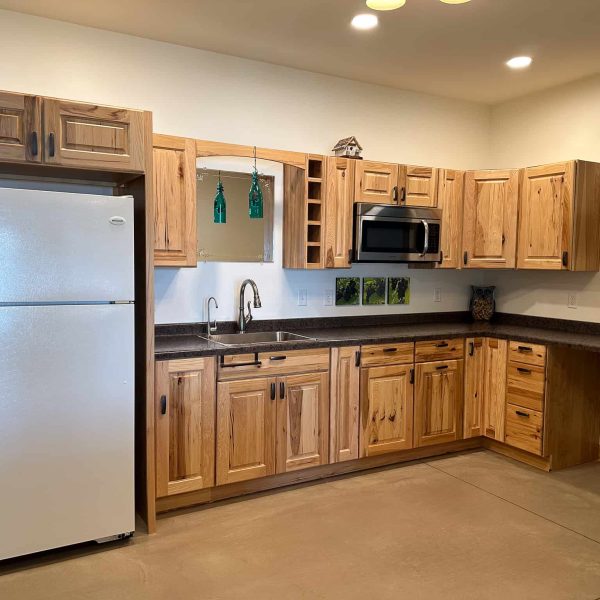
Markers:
{"x": 66, "y": 425}
{"x": 63, "y": 247}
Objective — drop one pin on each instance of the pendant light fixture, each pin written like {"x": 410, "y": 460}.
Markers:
{"x": 255, "y": 197}
{"x": 220, "y": 208}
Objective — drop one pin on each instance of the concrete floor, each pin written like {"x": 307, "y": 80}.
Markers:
{"x": 471, "y": 526}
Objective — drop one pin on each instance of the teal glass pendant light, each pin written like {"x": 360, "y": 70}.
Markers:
{"x": 220, "y": 214}
{"x": 255, "y": 197}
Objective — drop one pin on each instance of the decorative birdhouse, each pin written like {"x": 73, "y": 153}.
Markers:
{"x": 348, "y": 148}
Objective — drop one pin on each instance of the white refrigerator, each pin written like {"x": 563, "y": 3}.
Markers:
{"x": 66, "y": 369}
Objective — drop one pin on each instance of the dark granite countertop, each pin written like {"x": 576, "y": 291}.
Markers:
{"x": 184, "y": 341}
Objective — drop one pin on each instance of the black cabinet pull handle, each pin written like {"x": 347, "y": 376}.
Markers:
{"x": 34, "y": 143}
{"x": 395, "y": 194}
{"x": 412, "y": 376}
{"x": 465, "y": 258}
{"x": 522, "y": 414}
{"x": 565, "y": 259}
{"x": 357, "y": 358}
{"x": 403, "y": 195}
{"x": 163, "y": 405}
{"x": 272, "y": 391}
{"x": 281, "y": 390}
{"x": 525, "y": 349}
{"x": 442, "y": 345}
{"x": 282, "y": 357}
{"x": 51, "y": 147}
{"x": 390, "y": 349}
{"x": 522, "y": 370}
{"x": 442, "y": 367}
{"x": 471, "y": 348}
{"x": 441, "y": 261}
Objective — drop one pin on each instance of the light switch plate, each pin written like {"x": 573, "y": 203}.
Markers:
{"x": 572, "y": 300}
{"x": 437, "y": 295}
{"x": 302, "y": 297}
{"x": 328, "y": 298}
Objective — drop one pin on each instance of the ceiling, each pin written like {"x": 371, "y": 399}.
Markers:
{"x": 450, "y": 50}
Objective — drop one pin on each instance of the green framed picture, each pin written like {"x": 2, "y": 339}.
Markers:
{"x": 373, "y": 290}
{"x": 398, "y": 290}
{"x": 347, "y": 291}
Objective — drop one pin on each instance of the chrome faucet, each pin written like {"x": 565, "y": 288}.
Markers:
{"x": 211, "y": 326}
{"x": 244, "y": 319}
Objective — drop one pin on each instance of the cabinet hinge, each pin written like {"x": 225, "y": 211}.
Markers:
{"x": 350, "y": 256}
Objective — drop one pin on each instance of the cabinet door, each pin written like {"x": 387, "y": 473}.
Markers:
{"x": 490, "y": 219}
{"x": 175, "y": 238}
{"x": 185, "y": 425}
{"x": 450, "y": 201}
{"x": 302, "y": 421}
{"x": 494, "y": 388}
{"x": 418, "y": 186}
{"x": 92, "y": 136}
{"x": 546, "y": 217}
{"x": 344, "y": 404}
{"x": 376, "y": 182}
{"x": 20, "y": 127}
{"x": 386, "y": 403}
{"x": 438, "y": 402}
{"x": 339, "y": 204}
{"x": 474, "y": 371}
{"x": 245, "y": 429}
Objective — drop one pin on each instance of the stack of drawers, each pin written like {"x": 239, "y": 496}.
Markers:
{"x": 526, "y": 381}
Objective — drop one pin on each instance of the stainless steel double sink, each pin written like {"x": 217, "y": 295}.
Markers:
{"x": 258, "y": 337}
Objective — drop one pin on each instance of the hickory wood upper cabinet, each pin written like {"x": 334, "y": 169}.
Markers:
{"x": 386, "y": 398}
{"x": 339, "y": 209}
{"x": 418, "y": 186}
{"x": 376, "y": 182}
{"x": 20, "y": 127}
{"x": 344, "y": 404}
{"x": 560, "y": 217}
{"x": 185, "y": 431}
{"x": 175, "y": 238}
{"x": 272, "y": 414}
{"x": 485, "y": 388}
{"x": 78, "y": 134}
{"x": 490, "y": 219}
{"x": 450, "y": 201}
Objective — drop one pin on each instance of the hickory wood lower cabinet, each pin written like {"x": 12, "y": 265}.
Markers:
{"x": 272, "y": 424}
{"x": 184, "y": 421}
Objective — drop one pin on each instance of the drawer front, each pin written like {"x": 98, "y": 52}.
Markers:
{"x": 525, "y": 385}
{"x": 387, "y": 354}
{"x": 524, "y": 428}
{"x": 263, "y": 364}
{"x": 530, "y": 354}
{"x": 434, "y": 350}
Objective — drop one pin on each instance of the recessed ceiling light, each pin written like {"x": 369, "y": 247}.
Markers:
{"x": 366, "y": 21}
{"x": 519, "y": 62}
{"x": 385, "y": 4}
{"x": 455, "y": 1}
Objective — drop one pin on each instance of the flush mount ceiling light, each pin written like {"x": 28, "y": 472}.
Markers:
{"x": 365, "y": 21}
{"x": 385, "y": 4}
{"x": 519, "y": 62}
{"x": 455, "y": 1}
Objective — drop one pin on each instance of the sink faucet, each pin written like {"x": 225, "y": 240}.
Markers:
{"x": 211, "y": 326}
{"x": 244, "y": 319}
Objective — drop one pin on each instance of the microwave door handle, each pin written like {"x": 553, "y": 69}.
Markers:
{"x": 426, "y": 242}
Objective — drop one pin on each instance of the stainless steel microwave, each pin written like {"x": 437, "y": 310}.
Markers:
{"x": 385, "y": 233}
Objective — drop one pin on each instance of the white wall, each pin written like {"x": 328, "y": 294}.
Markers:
{"x": 559, "y": 124}
{"x": 205, "y": 95}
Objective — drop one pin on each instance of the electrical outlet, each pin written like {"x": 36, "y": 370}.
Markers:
{"x": 302, "y": 297}
{"x": 572, "y": 300}
{"x": 437, "y": 295}
{"x": 328, "y": 298}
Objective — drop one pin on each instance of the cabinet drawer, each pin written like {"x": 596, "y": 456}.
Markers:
{"x": 433, "y": 350}
{"x": 526, "y": 385}
{"x": 387, "y": 354}
{"x": 530, "y": 354}
{"x": 524, "y": 428}
{"x": 261, "y": 364}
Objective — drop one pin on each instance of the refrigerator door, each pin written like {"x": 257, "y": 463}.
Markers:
{"x": 62, "y": 247}
{"x": 66, "y": 425}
